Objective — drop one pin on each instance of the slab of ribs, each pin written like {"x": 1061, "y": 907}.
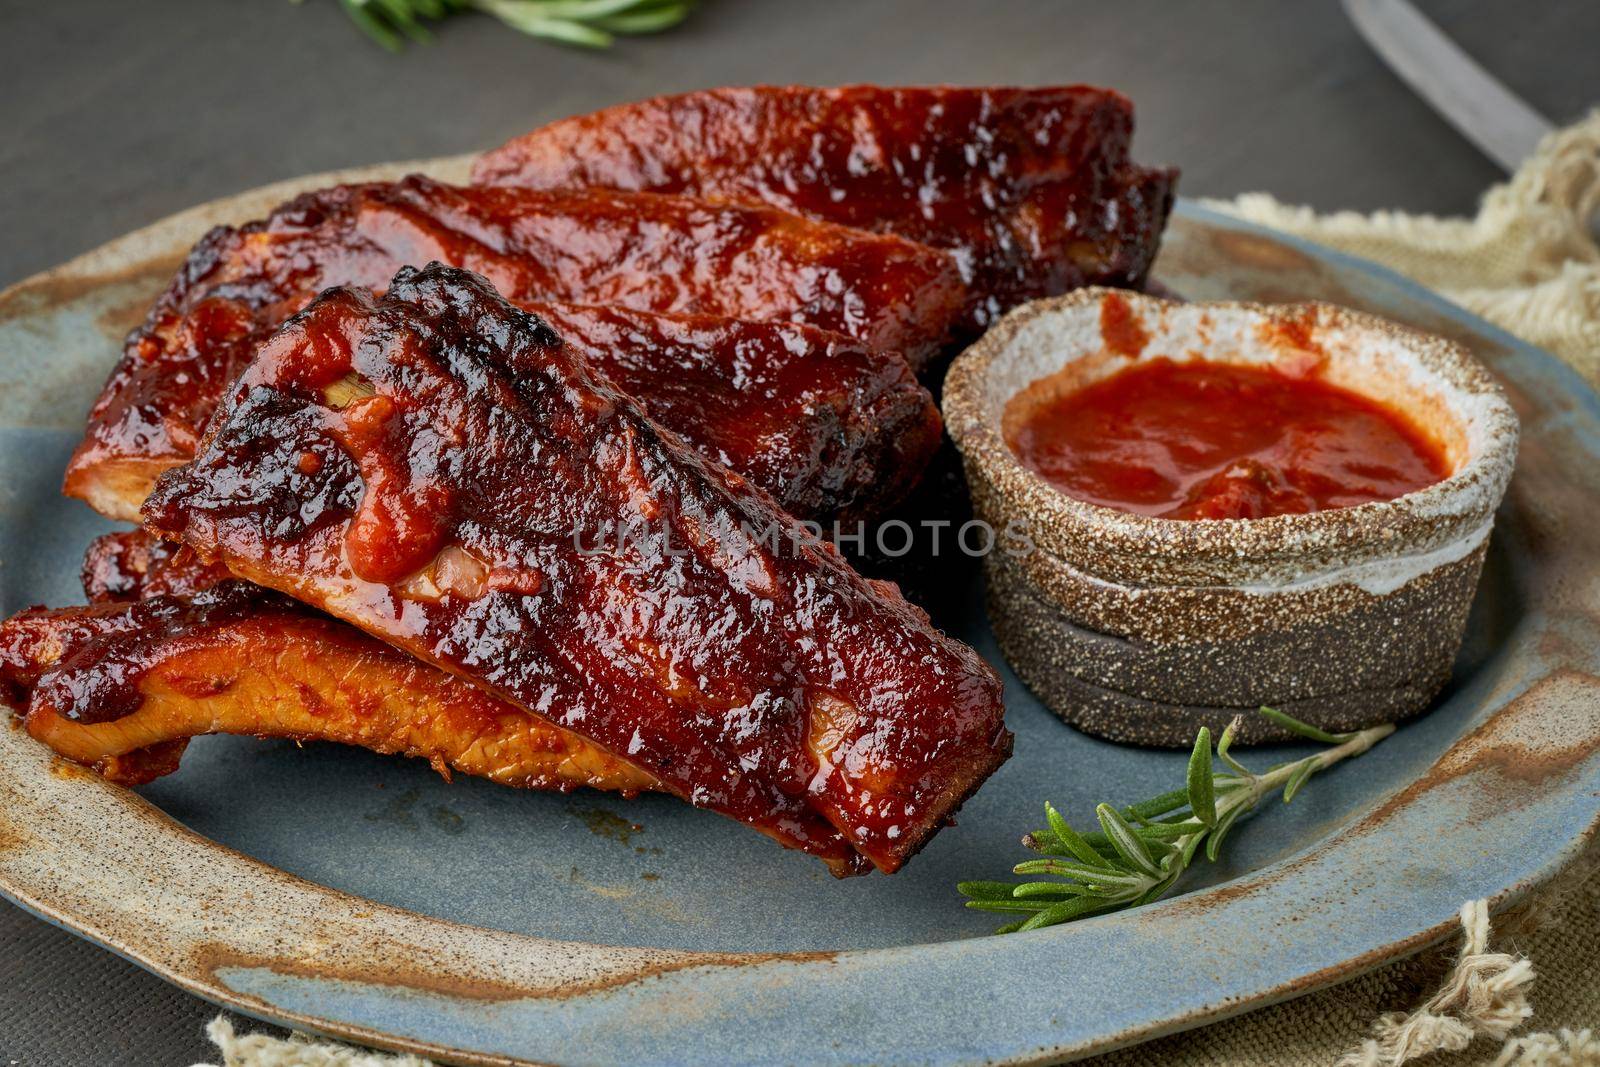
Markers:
{"x": 774, "y": 343}
{"x": 1031, "y": 190}
{"x": 521, "y": 477}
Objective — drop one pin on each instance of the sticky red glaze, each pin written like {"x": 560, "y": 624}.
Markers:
{"x": 123, "y": 684}
{"x": 1205, "y": 440}
{"x": 86, "y": 663}
{"x": 648, "y": 252}
{"x": 830, "y": 425}
{"x": 766, "y": 681}
{"x": 128, "y": 565}
{"x": 116, "y": 565}
{"x": 1031, "y": 189}
{"x": 1120, "y": 328}
{"x": 831, "y": 428}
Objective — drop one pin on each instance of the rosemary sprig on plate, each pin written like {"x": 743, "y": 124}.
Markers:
{"x": 1139, "y": 852}
{"x": 587, "y": 23}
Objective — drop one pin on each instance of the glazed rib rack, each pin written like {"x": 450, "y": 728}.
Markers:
{"x": 1031, "y": 190}
{"x": 719, "y": 304}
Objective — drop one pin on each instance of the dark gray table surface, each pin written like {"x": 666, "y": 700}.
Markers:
{"x": 115, "y": 114}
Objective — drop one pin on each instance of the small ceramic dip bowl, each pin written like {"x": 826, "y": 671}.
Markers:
{"x": 1143, "y": 629}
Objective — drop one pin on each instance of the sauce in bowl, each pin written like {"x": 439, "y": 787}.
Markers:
{"x": 1200, "y": 440}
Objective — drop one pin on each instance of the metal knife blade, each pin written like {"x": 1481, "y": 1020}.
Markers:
{"x": 1492, "y": 117}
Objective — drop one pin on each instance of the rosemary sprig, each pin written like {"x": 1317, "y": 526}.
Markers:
{"x": 587, "y": 23}
{"x": 1140, "y": 851}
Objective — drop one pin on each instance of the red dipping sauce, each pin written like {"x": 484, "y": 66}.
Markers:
{"x": 1219, "y": 441}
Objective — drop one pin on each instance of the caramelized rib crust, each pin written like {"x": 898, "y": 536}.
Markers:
{"x": 832, "y": 426}
{"x": 121, "y": 687}
{"x": 133, "y": 564}
{"x": 492, "y": 507}
{"x": 1031, "y": 189}
{"x": 646, "y": 251}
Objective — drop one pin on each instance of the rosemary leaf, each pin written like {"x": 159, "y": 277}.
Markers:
{"x": 1186, "y": 850}
{"x": 1032, "y": 890}
{"x": 1159, "y": 890}
{"x": 563, "y": 30}
{"x": 1008, "y": 905}
{"x": 1225, "y": 742}
{"x": 402, "y": 15}
{"x": 1202, "y": 780}
{"x": 1298, "y": 779}
{"x": 1096, "y": 876}
{"x": 1214, "y": 842}
{"x": 1169, "y": 831}
{"x": 1305, "y": 730}
{"x": 1070, "y": 838}
{"x": 373, "y": 26}
{"x": 985, "y": 890}
{"x": 641, "y": 22}
{"x": 1161, "y": 805}
{"x": 1129, "y": 845}
{"x": 1066, "y": 911}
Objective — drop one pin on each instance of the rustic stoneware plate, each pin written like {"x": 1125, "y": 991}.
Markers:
{"x": 364, "y": 897}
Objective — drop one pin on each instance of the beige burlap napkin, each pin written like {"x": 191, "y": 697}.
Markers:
{"x": 1528, "y": 262}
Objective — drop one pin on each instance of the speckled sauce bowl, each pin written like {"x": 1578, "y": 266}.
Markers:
{"x": 1143, "y": 629}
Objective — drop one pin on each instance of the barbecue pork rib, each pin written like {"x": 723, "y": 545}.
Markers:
{"x": 437, "y": 469}
{"x": 646, "y": 251}
{"x": 135, "y": 564}
{"x": 832, "y": 426}
{"x": 1031, "y": 189}
{"x": 122, "y": 685}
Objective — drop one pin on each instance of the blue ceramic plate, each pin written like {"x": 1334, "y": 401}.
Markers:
{"x": 364, "y": 897}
